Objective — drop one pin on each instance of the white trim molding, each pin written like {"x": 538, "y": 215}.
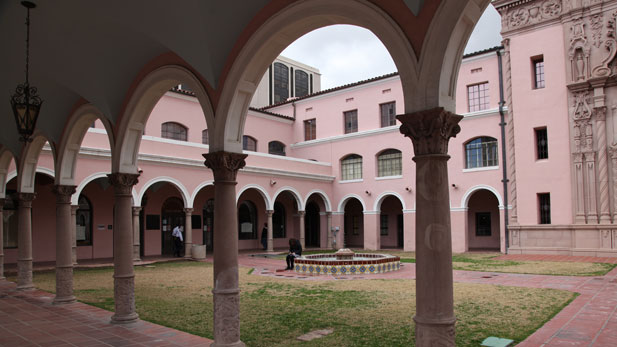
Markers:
{"x": 269, "y": 202}
{"x": 470, "y": 191}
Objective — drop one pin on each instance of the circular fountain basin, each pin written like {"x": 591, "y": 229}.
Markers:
{"x": 342, "y": 263}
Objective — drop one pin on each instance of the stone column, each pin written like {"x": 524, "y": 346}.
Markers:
{"x": 580, "y": 189}
{"x": 124, "y": 277}
{"x": 136, "y": 235}
{"x": 24, "y": 240}
{"x": 270, "y": 247}
{"x": 225, "y": 166}
{"x": 74, "y": 209}
{"x": 329, "y": 229}
{"x": 430, "y": 131}
{"x": 511, "y": 152}
{"x": 603, "y": 191}
{"x": 188, "y": 233}
{"x": 613, "y": 152}
{"x": 302, "y": 231}
{"x": 64, "y": 245}
{"x": 2, "y": 239}
{"x": 590, "y": 189}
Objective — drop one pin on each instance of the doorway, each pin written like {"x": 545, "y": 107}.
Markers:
{"x": 172, "y": 215}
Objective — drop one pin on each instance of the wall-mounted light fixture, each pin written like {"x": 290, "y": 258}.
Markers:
{"x": 272, "y": 182}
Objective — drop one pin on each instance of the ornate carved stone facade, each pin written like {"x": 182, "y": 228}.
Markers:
{"x": 225, "y": 165}
{"x": 589, "y": 30}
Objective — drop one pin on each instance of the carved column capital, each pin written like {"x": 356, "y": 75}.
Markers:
{"x": 301, "y": 213}
{"x": 612, "y": 151}
{"x": 63, "y": 193}
{"x": 600, "y": 113}
{"x": 430, "y": 130}
{"x": 74, "y": 209}
{"x": 123, "y": 182}
{"x": 225, "y": 165}
{"x": 188, "y": 211}
{"x": 269, "y": 213}
{"x": 24, "y": 199}
{"x": 2, "y": 202}
{"x": 136, "y": 210}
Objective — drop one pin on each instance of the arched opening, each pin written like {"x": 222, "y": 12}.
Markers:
{"x": 285, "y": 220}
{"x": 203, "y": 203}
{"x": 249, "y": 143}
{"x": 312, "y": 225}
{"x": 483, "y": 231}
{"x": 83, "y": 221}
{"x": 279, "y": 221}
{"x": 354, "y": 224}
{"x": 391, "y": 228}
{"x": 252, "y": 206}
{"x": 172, "y": 215}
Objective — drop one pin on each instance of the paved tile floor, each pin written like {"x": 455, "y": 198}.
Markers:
{"x": 29, "y": 318}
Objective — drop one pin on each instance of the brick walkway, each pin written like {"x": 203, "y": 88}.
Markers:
{"x": 29, "y": 319}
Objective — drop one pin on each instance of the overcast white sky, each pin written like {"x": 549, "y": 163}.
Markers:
{"x": 346, "y": 54}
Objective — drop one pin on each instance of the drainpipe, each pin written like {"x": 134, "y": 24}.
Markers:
{"x": 504, "y": 165}
{"x": 293, "y": 104}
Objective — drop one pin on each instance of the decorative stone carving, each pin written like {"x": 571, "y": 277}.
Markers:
{"x": 510, "y": 134}
{"x": 581, "y": 109}
{"x": 579, "y": 51}
{"x": 225, "y": 165}
{"x": 520, "y": 15}
{"x": 577, "y": 31}
{"x": 611, "y": 46}
{"x": 123, "y": 182}
{"x": 597, "y": 22}
{"x": 227, "y": 317}
{"x": 435, "y": 334}
{"x": 430, "y": 130}
{"x": 24, "y": 199}
{"x": 515, "y": 241}
{"x": 63, "y": 193}
{"x": 124, "y": 294}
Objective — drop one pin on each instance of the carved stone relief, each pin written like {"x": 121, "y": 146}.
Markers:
{"x": 580, "y": 108}
{"x": 610, "y": 44}
{"x": 519, "y": 16}
{"x": 596, "y": 29}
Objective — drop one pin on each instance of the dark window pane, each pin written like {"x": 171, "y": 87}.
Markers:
{"x": 481, "y": 152}
{"x": 388, "y": 114}
{"x": 205, "y": 138}
{"x": 281, "y": 82}
{"x": 247, "y": 221}
{"x": 310, "y": 127}
{"x": 351, "y": 121}
{"x": 538, "y": 66}
{"x": 483, "y": 224}
{"x": 544, "y": 204}
{"x": 276, "y": 147}
{"x": 174, "y": 131}
{"x": 249, "y": 143}
{"x": 302, "y": 83}
{"x": 278, "y": 221}
{"x": 541, "y": 143}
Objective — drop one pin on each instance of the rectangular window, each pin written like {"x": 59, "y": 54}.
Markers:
{"x": 544, "y": 204}
{"x": 538, "y": 72}
{"x": 355, "y": 225}
{"x": 351, "y": 121}
{"x": 383, "y": 224}
{"x": 541, "y": 144}
{"x": 483, "y": 224}
{"x": 310, "y": 129}
{"x": 478, "y": 97}
{"x": 388, "y": 114}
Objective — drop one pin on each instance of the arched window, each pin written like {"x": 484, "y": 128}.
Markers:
{"x": 481, "y": 152}
{"x": 302, "y": 83}
{"x": 83, "y": 217}
{"x": 247, "y": 220}
{"x": 389, "y": 163}
{"x": 281, "y": 82}
{"x": 351, "y": 167}
{"x": 205, "y": 138}
{"x": 174, "y": 131}
{"x": 278, "y": 221}
{"x": 249, "y": 143}
{"x": 276, "y": 147}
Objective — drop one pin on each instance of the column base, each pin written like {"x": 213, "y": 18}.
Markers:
{"x": 235, "y": 344}
{"x": 188, "y": 250}
{"x": 64, "y": 300}
{"x": 24, "y": 274}
{"x": 435, "y": 332}
{"x": 227, "y": 317}
{"x": 270, "y": 246}
{"x": 136, "y": 256}
{"x": 124, "y": 296}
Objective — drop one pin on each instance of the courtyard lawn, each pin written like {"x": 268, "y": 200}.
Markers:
{"x": 486, "y": 262}
{"x": 275, "y": 311}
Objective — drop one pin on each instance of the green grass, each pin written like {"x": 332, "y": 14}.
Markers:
{"x": 275, "y": 311}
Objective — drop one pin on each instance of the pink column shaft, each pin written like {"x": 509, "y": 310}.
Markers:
{"x": 226, "y": 291}
{"x": 1, "y": 239}
{"x": 302, "y": 231}
{"x": 64, "y": 245}
{"x": 270, "y": 247}
{"x": 24, "y": 241}
{"x": 136, "y": 240}
{"x": 74, "y": 209}
{"x": 124, "y": 277}
{"x": 430, "y": 131}
{"x": 188, "y": 227}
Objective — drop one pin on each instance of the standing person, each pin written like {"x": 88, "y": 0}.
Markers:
{"x": 295, "y": 250}
{"x": 177, "y": 236}
{"x": 264, "y": 236}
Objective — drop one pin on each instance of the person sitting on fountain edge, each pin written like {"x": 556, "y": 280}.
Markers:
{"x": 295, "y": 250}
